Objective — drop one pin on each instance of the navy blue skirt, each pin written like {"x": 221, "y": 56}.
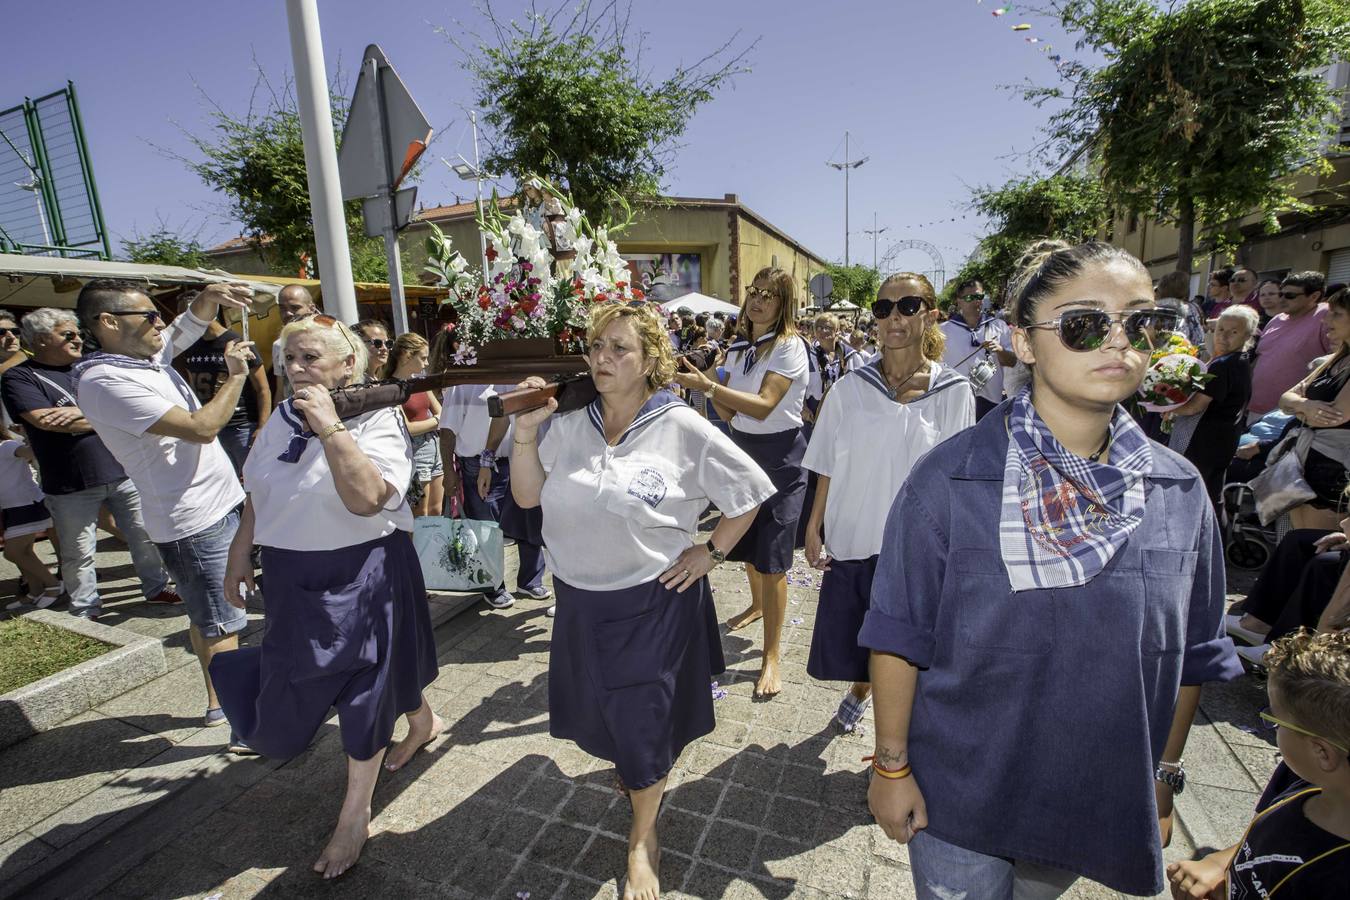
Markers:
{"x": 768, "y": 544}
{"x": 845, "y": 592}
{"x": 630, "y": 674}
{"x": 348, "y": 628}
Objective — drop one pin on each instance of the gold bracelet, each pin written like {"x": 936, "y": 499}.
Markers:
{"x": 331, "y": 430}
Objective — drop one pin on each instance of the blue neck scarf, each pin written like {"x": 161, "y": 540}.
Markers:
{"x": 750, "y": 352}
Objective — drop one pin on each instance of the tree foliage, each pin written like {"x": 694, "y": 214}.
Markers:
{"x": 1067, "y": 207}
{"x": 857, "y": 282}
{"x": 567, "y": 96}
{"x": 256, "y": 160}
{"x": 166, "y": 247}
{"x": 1201, "y": 109}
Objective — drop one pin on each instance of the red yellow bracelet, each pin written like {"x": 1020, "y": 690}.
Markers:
{"x": 894, "y": 774}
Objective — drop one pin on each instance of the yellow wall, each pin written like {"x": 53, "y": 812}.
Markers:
{"x": 760, "y": 248}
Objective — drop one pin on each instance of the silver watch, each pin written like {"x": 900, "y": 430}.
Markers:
{"x": 718, "y": 557}
{"x": 1176, "y": 780}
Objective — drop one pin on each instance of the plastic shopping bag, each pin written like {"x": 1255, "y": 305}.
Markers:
{"x": 459, "y": 554}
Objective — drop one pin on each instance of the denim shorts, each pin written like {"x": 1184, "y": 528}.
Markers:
{"x": 427, "y": 456}
{"x": 197, "y": 564}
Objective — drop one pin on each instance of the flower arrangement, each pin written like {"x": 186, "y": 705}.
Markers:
{"x": 1174, "y": 374}
{"x": 529, "y": 291}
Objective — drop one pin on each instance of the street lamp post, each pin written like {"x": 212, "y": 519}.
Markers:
{"x": 845, "y": 166}
{"x": 475, "y": 174}
{"x": 875, "y": 232}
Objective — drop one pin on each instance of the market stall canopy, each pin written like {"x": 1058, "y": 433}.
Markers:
{"x": 30, "y": 282}
{"x": 843, "y": 306}
{"x": 366, "y": 291}
{"x": 700, "y": 303}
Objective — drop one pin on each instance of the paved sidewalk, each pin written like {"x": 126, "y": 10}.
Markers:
{"x": 135, "y": 798}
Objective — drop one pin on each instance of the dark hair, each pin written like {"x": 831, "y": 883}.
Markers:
{"x": 1222, "y": 276}
{"x": 965, "y": 283}
{"x": 1334, "y": 287}
{"x": 361, "y": 326}
{"x": 1237, "y": 269}
{"x": 1308, "y": 282}
{"x": 1174, "y": 285}
{"x": 443, "y": 346}
{"x": 104, "y": 295}
{"x": 1046, "y": 265}
{"x": 1265, "y": 281}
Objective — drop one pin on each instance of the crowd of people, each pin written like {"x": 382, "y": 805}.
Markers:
{"x": 1019, "y": 575}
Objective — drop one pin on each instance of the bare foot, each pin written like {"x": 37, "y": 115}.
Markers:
{"x": 643, "y": 862}
{"x": 740, "y": 620}
{"x": 344, "y": 847}
{"x": 421, "y": 731}
{"x": 769, "y": 684}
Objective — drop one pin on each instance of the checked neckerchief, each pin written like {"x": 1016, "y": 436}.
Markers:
{"x": 100, "y": 358}
{"x": 1063, "y": 517}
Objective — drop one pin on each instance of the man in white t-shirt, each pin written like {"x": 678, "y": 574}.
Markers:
{"x": 294, "y": 301}
{"x": 972, "y": 336}
{"x": 153, "y": 424}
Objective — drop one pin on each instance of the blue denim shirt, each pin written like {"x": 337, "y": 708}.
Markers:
{"x": 1039, "y": 716}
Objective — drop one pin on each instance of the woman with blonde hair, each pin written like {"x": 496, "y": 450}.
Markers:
{"x": 873, "y": 426}
{"x": 347, "y": 623}
{"x": 622, "y": 484}
{"x": 407, "y": 359}
{"x": 767, "y": 375}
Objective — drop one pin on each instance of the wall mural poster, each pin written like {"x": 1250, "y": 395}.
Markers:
{"x": 665, "y": 276}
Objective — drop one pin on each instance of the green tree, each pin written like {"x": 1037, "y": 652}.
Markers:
{"x": 166, "y": 247}
{"x": 257, "y": 162}
{"x": 1201, "y": 111}
{"x": 569, "y": 98}
{"x": 857, "y": 282}
{"x": 1067, "y": 207}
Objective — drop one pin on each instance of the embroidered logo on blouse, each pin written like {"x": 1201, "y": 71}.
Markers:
{"x": 649, "y": 486}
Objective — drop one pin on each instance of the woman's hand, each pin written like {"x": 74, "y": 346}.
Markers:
{"x": 316, "y": 405}
{"x": 239, "y": 568}
{"x": 692, "y": 565}
{"x": 816, "y": 557}
{"x": 691, "y": 378}
{"x": 1198, "y": 879}
{"x": 527, "y": 423}
{"x": 898, "y": 806}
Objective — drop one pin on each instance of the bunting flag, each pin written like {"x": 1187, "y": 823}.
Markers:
{"x": 1022, "y": 27}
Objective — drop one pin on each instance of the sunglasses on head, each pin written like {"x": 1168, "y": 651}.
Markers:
{"x": 1088, "y": 329}
{"x": 151, "y": 316}
{"x": 329, "y": 322}
{"x": 908, "y": 306}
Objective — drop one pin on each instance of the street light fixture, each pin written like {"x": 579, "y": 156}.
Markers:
{"x": 845, "y": 166}
{"x": 474, "y": 172}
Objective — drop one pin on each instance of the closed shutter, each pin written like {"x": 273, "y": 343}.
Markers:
{"x": 1339, "y": 269}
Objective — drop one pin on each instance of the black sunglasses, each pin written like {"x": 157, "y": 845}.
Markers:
{"x": 151, "y": 316}
{"x": 974, "y": 298}
{"x": 908, "y": 306}
{"x": 1291, "y": 295}
{"x": 69, "y": 336}
{"x": 13, "y": 331}
{"x": 1088, "y": 329}
{"x": 379, "y": 344}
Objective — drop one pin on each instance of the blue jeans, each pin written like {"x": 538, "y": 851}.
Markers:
{"x": 530, "y": 574}
{"x": 944, "y": 871}
{"x": 236, "y": 439}
{"x": 198, "y": 565}
{"x": 76, "y": 519}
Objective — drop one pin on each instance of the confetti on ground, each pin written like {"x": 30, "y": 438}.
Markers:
{"x": 717, "y": 692}
{"x": 522, "y": 895}
{"x": 796, "y": 620}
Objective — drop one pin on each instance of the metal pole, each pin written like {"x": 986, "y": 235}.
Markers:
{"x": 846, "y": 168}
{"x": 875, "y": 234}
{"x": 478, "y": 182}
{"x": 321, "y": 167}
{"x": 379, "y": 126}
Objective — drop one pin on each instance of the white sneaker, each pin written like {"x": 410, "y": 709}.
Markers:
{"x": 1232, "y": 623}
{"x": 552, "y": 611}
{"x": 1254, "y": 655}
{"x": 500, "y": 599}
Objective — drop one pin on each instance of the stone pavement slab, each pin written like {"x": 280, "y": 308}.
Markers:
{"x": 135, "y": 799}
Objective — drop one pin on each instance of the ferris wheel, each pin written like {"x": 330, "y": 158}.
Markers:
{"x": 937, "y": 274}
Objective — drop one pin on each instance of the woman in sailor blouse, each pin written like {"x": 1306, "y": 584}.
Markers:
{"x": 347, "y": 623}
{"x": 767, "y": 376}
{"x": 622, "y": 484}
{"x": 873, "y": 426}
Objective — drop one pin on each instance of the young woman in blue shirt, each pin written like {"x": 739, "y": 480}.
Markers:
{"x": 1047, "y": 602}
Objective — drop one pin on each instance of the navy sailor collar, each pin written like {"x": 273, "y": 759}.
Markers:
{"x": 942, "y": 379}
{"x": 656, "y": 406}
{"x": 750, "y": 352}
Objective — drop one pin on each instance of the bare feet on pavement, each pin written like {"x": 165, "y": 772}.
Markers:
{"x": 769, "y": 684}
{"x": 422, "y": 730}
{"x": 344, "y": 847}
{"x": 643, "y": 862}
{"x": 740, "y": 620}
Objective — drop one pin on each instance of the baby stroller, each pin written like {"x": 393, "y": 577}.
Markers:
{"x": 1247, "y": 544}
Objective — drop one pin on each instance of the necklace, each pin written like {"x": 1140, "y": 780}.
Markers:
{"x": 1102, "y": 449}
{"x": 895, "y": 390}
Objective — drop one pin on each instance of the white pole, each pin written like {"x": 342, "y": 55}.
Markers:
{"x": 321, "y": 165}
{"x": 478, "y": 181}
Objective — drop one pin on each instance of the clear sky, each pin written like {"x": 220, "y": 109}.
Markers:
{"x": 918, "y": 83}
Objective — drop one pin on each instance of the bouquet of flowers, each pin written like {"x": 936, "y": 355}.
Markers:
{"x": 1174, "y": 374}
{"x": 546, "y": 266}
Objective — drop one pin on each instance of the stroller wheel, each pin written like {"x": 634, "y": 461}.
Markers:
{"x": 1246, "y": 553}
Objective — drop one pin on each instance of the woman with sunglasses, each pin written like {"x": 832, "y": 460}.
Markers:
{"x": 873, "y": 427}
{"x": 1047, "y": 602}
{"x": 409, "y": 359}
{"x": 375, "y": 335}
{"x": 622, "y": 485}
{"x": 974, "y": 335}
{"x": 762, "y": 399}
{"x": 347, "y": 623}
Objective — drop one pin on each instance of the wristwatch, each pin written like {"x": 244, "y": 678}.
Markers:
{"x": 1174, "y": 776}
{"x": 718, "y": 557}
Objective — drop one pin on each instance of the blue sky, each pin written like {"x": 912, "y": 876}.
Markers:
{"x": 918, "y": 83}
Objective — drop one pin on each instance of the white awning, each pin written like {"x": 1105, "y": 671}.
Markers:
{"x": 32, "y": 281}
